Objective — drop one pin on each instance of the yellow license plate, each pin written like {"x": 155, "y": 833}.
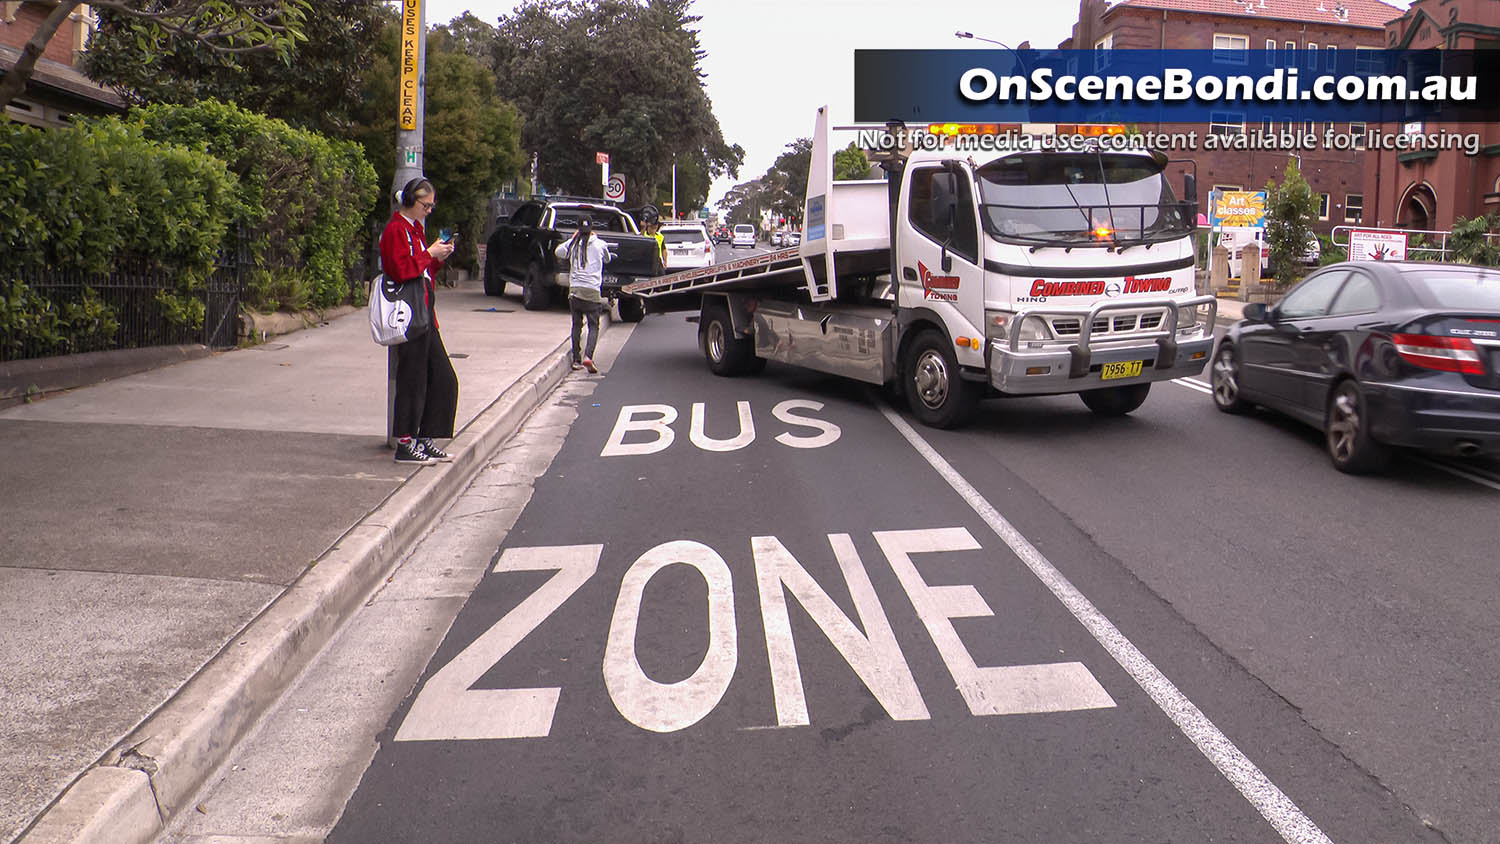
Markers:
{"x": 1123, "y": 369}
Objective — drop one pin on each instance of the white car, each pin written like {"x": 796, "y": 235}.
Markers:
{"x": 744, "y": 235}
{"x": 688, "y": 246}
{"x": 791, "y": 239}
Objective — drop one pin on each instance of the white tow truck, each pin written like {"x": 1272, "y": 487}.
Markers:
{"x": 1016, "y": 273}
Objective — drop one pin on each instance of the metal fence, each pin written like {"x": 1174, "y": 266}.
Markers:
{"x": 133, "y": 305}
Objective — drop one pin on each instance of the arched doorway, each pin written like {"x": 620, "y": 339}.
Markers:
{"x": 1418, "y": 207}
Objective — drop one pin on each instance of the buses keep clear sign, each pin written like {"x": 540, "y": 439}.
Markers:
{"x": 1238, "y": 208}
{"x": 411, "y": 34}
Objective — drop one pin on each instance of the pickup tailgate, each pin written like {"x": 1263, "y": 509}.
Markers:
{"x": 636, "y": 256}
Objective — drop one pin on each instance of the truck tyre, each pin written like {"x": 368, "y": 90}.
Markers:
{"x": 632, "y": 309}
{"x": 494, "y": 285}
{"x": 1115, "y": 401}
{"x": 536, "y": 292}
{"x": 935, "y": 392}
{"x": 726, "y": 354}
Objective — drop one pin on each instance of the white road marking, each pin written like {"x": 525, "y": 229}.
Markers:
{"x": 1193, "y": 385}
{"x": 1257, "y": 788}
{"x": 707, "y": 443}
{"x": 665, "y": 707}
{"x": 783, "y": 411}
{"x": 1462, "y": 473}
{"x": 447, "y": 709}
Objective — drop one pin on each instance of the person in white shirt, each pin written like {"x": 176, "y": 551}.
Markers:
{"x": 586, "y": 256}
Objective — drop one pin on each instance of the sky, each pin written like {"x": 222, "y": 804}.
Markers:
{"x": 772, "y": 63}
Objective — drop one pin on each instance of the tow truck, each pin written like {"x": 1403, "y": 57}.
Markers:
{"x": 966, "y": 275}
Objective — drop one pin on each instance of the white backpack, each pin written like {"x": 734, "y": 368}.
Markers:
{"x": 389, "y": 314}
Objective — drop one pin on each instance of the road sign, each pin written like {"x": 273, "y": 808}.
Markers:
{"x": 601, "y": 158}
{"x": 1238, "y": 208}
{"x": 1377, "y": 246}
{"x": 615, "y": 190}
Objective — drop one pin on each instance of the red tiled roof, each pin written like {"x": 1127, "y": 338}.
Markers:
{"x": 1366, "y": 13}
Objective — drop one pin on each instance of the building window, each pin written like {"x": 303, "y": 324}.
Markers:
{"x": 1354, "y": 207}
{"x": 1367, "y": 59}
{"x": 1357, "y": 129}
{"x": 1308, "y": 127}
{"x": 1267, "y": 126}
{"x": 1291, "y": 49}
{"x": 1222, "y": 188}
{"x": 1270, "y": 52}
{"x": 1322, "y": 206}
{"x": 1333, "y": 57}
{"x": 1226, "y": 123}
{"x": 1231, "y": 49}
{"x": 1312, "y": 55}
{"x": 1105, "y": 43}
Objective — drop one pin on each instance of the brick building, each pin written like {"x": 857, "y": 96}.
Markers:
{"x": 1306, "y": 29}
{"x": 58, "y": 88}
{"x": 1429, "y": 189}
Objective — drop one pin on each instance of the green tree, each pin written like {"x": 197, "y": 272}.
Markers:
{"x": 1290, "y": 209}
{"x": 850, "y": 164}
{"x": 471, "y": 136}
{"x": 225, "y": 26}
{"x": 615, "y": 76}
{"x": 311, "y": 86}
{"x": 1469, "y": 243}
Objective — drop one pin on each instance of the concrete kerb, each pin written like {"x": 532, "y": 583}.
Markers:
{"x": 148, "y": 777}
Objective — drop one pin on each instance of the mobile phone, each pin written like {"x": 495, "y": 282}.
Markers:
{"x": 446, "y": 235}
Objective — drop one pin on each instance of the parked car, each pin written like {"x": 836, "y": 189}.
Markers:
{"x": 688, "y": 246}
{"x": 791, "y": 239}
{"x": 744, "y": 235}
{"x": 1375, "y": 354}
{"x": 776, "y": 237}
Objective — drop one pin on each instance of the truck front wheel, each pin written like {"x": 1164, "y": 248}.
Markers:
{"x": 1115, "y": 401}
{"x": 936, "y": 393}
{"x": 536, "y": 294}
{"x": 726, "y": 353}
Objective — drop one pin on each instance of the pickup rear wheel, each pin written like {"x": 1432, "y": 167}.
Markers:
{"x": 1115, "y": 401}
{"x": 632, "y": 309}
{"x": 726, "y": 354}
{"x": 936, "y": 393}
{"x": 536, "y": 294}
{"x": 494, "y": 284}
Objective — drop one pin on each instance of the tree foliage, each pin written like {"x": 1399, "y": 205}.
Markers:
{"x": 1469, "y": 243}
{"x": 616, "y": 76}
{"x": 850, "y": 164}
{"x": 471, "y": 136}
{"x": 781, "y": 190}
{"x": 1291, "y": 206}
{"x": 310, "y": 86}
{"x": 226, "y": 26}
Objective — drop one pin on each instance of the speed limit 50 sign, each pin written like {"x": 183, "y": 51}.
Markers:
{"x": 615, "y": 190}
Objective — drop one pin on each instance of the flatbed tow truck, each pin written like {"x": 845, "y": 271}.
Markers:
{"x": 1017, "y": 272}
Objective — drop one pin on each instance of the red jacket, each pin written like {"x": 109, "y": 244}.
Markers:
{"x": 404, "y": 256}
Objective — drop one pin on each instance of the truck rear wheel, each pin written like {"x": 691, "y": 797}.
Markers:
{"x": 631, "y": 309}
{"x": 536, "y": 293}
{"x": 726, "y": 354}
{"x": 1115, "y": 401}
{"x": 937, "y": 394}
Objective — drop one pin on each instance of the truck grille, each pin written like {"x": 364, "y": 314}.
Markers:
{"x": 1112, "y": 324}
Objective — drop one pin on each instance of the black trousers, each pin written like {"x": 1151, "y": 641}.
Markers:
{"x": 585, "y": 311}
{"x": 426, "y": 388}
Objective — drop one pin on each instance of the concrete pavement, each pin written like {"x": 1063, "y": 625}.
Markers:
{"x": 178, "y": 543}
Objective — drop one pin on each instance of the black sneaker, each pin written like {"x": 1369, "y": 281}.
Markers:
{"x": 432, "y": 450}
{"x": 412, "y": 452}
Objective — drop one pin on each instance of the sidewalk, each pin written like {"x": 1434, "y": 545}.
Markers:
{"x": 178, "y": 543}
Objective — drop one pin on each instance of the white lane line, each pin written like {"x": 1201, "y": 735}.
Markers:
{"x": 1204, "y": 384}
{"x": 1193, "y": 385}
{"x": 1257, "y": 788}
{"x": 1462, "y": 473}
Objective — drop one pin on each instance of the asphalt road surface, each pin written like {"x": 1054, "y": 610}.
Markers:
{"x": 770, "y": 609}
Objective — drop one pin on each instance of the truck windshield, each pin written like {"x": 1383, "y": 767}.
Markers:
{"x": 1085, "y": 197}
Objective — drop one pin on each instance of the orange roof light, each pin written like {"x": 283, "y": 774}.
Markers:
{"x": 1103, "y": 232}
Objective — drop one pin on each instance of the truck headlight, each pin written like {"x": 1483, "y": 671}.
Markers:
{"x": 999, "y": 324}
{"x": 1188, "y": 319}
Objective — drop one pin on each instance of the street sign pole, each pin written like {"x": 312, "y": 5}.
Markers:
{"x": 603, "y": 159}
{"x": 410, "y": 121}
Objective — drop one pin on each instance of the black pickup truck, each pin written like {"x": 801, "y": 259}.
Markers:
{"x": 521, "y": 250}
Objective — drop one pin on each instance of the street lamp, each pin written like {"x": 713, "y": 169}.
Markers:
{"x": 962, "y": 34}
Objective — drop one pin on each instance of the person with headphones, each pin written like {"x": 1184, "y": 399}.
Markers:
{"x": 426, "y": 385}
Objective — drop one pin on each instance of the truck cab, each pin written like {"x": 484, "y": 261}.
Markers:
{"x": 1045, "y": 272}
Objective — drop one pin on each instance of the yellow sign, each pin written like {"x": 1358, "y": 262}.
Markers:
{"x": 1239, "y": 208}
{"x": 411, "y": 34}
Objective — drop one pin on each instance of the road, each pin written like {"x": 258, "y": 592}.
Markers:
{"x": 770, "y": 609}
